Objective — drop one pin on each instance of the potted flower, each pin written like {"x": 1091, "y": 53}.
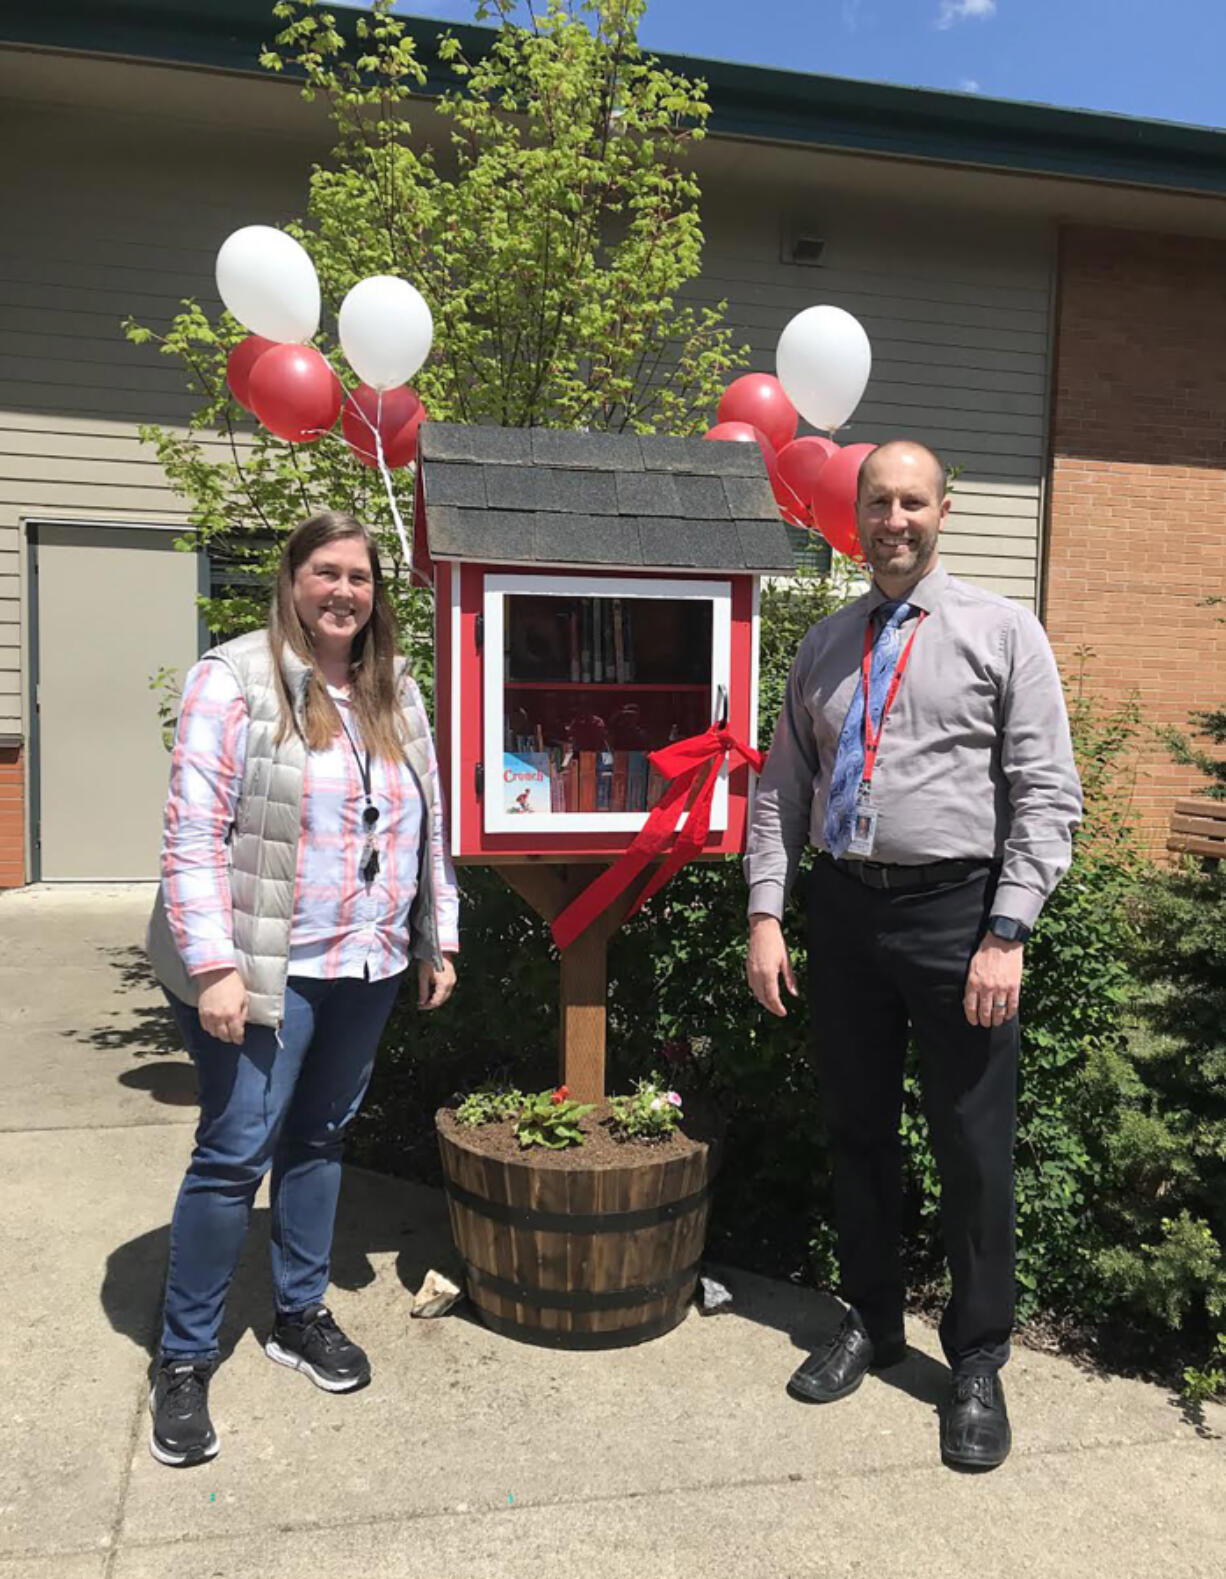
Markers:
{"x": 581, "y": 1223}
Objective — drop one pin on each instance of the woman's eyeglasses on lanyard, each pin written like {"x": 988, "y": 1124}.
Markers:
{"x": 369, "y": 866}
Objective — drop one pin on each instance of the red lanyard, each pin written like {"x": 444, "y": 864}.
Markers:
{"x": 872, "y": 737}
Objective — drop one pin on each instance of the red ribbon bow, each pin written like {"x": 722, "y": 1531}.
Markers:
{"x": 680, "y": 763}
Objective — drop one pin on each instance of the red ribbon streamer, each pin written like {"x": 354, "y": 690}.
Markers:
{"x": 679, "y": 763}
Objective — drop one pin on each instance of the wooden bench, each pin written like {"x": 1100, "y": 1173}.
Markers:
{"x": 1198, "y": 827}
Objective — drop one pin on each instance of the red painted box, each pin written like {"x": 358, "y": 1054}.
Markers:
{"x": 596, "y": 596}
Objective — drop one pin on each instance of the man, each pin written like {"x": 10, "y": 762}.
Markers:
{"x": 942, "y": 813}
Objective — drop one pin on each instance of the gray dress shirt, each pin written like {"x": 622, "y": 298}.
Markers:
{"x": 975, "y": 761}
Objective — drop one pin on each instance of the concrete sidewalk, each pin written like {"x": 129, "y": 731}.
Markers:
{"x": 471, "y": 1455}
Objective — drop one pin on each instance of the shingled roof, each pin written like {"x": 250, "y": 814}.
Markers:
{"x": 543, "y": 496}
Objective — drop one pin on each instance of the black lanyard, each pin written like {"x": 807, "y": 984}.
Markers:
{"x": 370, "y": 812}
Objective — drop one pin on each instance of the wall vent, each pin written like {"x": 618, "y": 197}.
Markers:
{"x": 802, "y": 248}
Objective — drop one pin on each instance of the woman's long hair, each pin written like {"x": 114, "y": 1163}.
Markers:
{"x": 372, "y": 673}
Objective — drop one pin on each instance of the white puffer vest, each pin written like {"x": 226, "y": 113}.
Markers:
{"x": 263, "y": 842}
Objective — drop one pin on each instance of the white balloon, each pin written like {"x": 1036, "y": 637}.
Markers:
{"x": 385, "y": 330}
{"x": 269, "y": 283}
{"x": 823, "y": 362}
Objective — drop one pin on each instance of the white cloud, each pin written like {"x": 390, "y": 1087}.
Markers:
{"x": 964, "y": 10}
{"x": 969, "y": 85}
{"x": 851, "y": 14}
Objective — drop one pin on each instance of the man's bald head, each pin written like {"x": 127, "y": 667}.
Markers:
{"x": 902, "y": 505}
{"x": 904, "y": 451}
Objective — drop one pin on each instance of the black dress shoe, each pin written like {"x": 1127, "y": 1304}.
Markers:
{"x": 975, "y": 1432}
{"x": 836, "y": 1371}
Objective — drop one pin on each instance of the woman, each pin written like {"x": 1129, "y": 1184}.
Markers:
{"x": 303, "y": 862}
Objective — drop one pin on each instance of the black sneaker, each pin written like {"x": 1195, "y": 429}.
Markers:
{"x": 182, "y": 1432}
{"x": 311, "y": 1342}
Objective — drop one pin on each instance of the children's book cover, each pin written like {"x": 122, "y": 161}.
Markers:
{"x": 525, "y": 781}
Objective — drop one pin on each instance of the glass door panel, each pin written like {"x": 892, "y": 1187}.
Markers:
{"x": 594, "y": 677}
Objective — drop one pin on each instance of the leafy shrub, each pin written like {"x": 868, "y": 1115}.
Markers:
{"x": 1167, "y": 1208}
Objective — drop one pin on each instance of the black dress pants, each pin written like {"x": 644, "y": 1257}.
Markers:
{"x": 882, "y": 962}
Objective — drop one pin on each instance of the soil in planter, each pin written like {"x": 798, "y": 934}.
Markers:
{"x": 601, "y": 1148}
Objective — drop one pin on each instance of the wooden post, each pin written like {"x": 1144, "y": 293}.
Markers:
{"x": 583, "y": 1015}
{"x": 583, "y": 997}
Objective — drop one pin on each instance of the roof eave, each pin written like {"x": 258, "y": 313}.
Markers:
{"x": 535, "y": 567}
{"x": 748, "y": 102}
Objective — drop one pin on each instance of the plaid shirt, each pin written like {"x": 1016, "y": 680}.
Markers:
{"x": 342, "y": 926}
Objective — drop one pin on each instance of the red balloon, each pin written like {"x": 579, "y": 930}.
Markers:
{"x": 791, "y": 507}
{"x": 746, "y": 433}
{"x": 799, "y": 465}
{"x": 759, "y": 399}
{"x": 834, "y": 498}
{"x": 239, "y": 364}
{"x": 397, "y": 413}
{"x": 295, "y": 394}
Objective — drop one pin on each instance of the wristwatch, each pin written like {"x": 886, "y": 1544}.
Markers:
{"x": 1007, "y": 928}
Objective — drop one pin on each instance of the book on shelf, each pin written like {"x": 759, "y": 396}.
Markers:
{"x": 604, "y": 780}
{"x": 585, "y": 616}
{"x": 598, "y": 663}
{"x": 621, "y": 769}
{"x": 557, "y": 779}
{"x": 574, "y": 645}
{"x": 587, "y": 781}
{"x": 619, "y": 643}
{"x": 636, "y": 781}
{"x": 525, "y": 782}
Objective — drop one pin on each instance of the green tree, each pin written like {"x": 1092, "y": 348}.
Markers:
{"x": 1168, "y": 1207}
{"x": 1208, "y": 725}
{"x": 551, "y": 237}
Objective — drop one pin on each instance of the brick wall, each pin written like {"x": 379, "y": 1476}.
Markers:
{"x": 12, "y": 819}
{"x": 1138, "y": 485}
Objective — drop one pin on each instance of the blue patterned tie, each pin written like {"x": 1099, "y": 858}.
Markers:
{"x": 849, "y": 759}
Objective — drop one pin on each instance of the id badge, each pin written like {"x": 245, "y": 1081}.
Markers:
{"x": 863, "y": 829}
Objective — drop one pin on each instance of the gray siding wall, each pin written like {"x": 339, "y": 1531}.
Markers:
{"x": 958, "y": 312}
{"x": 122, "y": 212}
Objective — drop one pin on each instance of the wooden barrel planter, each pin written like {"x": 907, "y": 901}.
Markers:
{"x": 579, "y": 1257}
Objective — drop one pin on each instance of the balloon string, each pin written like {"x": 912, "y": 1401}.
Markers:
{"x": 384, "y": 472}
{"x": 405, "y": 545}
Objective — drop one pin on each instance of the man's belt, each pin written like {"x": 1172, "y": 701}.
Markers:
{"x": 876, "y": 874}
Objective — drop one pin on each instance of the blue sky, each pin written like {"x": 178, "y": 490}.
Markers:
{"x": 1132, "y": 56}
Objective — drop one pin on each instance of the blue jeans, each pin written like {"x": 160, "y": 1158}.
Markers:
{"x": 267, "y": 1106}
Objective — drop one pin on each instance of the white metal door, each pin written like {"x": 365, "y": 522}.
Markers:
{"x": 111, "y": 606}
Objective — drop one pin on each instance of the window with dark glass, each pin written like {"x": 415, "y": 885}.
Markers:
{"x": 591, "y": 686}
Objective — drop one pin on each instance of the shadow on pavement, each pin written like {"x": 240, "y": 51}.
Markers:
{"x": 173, "y": 1084}
{"x": 1192, "y": 1412}
{"x": 376, "y": 1216}
{"x": 145, "y": 1029}
{"x": 811, "y": 1318}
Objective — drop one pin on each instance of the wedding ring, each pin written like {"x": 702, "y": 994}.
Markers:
{"x": 1000, "y": 1003}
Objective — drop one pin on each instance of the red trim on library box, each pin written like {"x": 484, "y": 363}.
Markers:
{"x": 460, "y": 669}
